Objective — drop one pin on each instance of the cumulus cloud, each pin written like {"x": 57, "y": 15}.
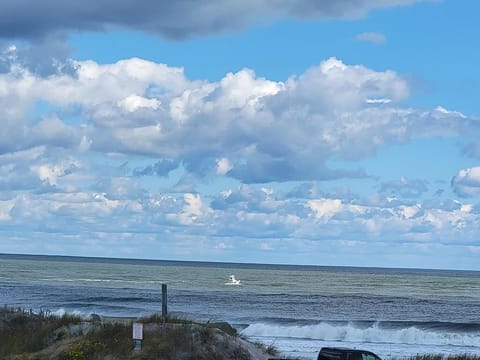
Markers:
{"x": 177, "y": 20}
{"x": 371, "y": 37}
{"x": 50, "y": 173}
{"x": 223, "y": 166}
{"x": 194, "y": 211}
{"x": 334, "y": 218}
{"x": 247, "y": 216}
{"x": 41, "y": 169}
{"x": 60, "y": 172}
{"x": 242, "y": 126}
{"x": 135, "y": 119}
{"x": 325, "y": 208}
{"x": 250, "y": 199}
{"x": 134, "y": 102}
{"x": 467, "y": 182}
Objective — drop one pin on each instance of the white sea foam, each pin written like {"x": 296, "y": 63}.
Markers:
{"x": 62, "y": 311}
{"x": 372, "y": 334}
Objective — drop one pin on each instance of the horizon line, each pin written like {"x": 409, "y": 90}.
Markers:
{"x": 60, "y": 257}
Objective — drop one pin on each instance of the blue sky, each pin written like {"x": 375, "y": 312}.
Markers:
{"x": 309, "y": 132}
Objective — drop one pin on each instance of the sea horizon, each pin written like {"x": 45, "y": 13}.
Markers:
{"x": 146, "y": 261}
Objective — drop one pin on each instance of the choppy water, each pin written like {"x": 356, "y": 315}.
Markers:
{"x": 298, "y": 309}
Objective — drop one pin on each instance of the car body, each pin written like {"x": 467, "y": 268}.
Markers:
{"x": 334, "y": 353}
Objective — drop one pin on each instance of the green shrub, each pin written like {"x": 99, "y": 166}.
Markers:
{"x": 84, "y": 350}
{"x": 444, "y": 357}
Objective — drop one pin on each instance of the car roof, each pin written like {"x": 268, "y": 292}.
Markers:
{"x": 344, "y": 349}
{"x": 341, "y": 349}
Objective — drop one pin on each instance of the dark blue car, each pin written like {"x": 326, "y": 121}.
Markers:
{"x": 330, "y": 353}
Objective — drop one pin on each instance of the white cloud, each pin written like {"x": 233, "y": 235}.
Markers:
{"x": 134, "y": 102}
{"x": 378, "y": 101}
{"x": 193, "y": 205}
{"x": 53, "y": 131}
{"x": 444, "y": 112}
{"x": 325, "y": 208}
{"x": 268, "y": 130}
{"x": 49, "y": 173}
{"x": 85, "y": 144}
{"x": 317, "y": 222}
{"x": 244, "y": 90}
{"x": 5, "y": 208}
{"x": 340, "y": 86}
{"x": 410, "y": 211}
{"x": 223, "y": 166}
{"x": 193, "y": 211}
{"x": 467, "y": 182}
{"x": 143, "y": 139}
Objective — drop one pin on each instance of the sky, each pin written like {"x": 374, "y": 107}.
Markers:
{"x": 333, "y": 132}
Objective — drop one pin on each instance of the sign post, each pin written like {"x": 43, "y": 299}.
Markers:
{"x": 137, "y": 336}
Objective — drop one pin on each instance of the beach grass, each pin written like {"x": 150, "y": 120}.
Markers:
{"x": 27, "y": 335}
{"x": 23, "y": 330}
{"x": 444, "y": 357}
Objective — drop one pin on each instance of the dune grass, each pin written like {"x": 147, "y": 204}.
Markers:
{"x": 444, "y": 357}
{"x": 26, "y": 335}
{"x": 26, "y": 331}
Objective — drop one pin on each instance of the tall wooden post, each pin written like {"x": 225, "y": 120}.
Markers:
{"x": 164, "y": 304}
{"x": 164, "y": 300}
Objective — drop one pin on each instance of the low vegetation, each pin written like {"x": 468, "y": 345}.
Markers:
{"x": 28, "y": 335}
{"x": 25, "y": 335}
{"x": 26, "y": 331}
{"x": 445, "y": 357}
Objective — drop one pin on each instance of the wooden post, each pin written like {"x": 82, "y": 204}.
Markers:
{"x": 164, "y": 300}
{"x": 164, "y": 304}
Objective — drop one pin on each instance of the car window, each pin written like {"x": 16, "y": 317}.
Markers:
{"x": 355, "y": 356}
{"x": 322, "y": 357}
{"x": 369, "y": 357}
{"x": 331, "y": 355}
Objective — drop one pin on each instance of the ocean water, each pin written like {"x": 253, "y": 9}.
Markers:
{"x": 297, "y": 309}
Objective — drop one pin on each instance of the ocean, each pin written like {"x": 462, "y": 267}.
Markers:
{"x": 297, "y": 309}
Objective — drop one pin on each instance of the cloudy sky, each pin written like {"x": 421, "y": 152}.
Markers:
{"x": 333, "y": 132}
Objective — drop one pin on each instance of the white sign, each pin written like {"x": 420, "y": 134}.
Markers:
{"x": 137, "y": 331}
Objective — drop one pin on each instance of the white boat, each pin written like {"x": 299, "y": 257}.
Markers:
{"x": 232, "y": 280}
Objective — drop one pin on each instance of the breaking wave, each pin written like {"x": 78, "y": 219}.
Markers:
{"x": 373, "y": 332}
